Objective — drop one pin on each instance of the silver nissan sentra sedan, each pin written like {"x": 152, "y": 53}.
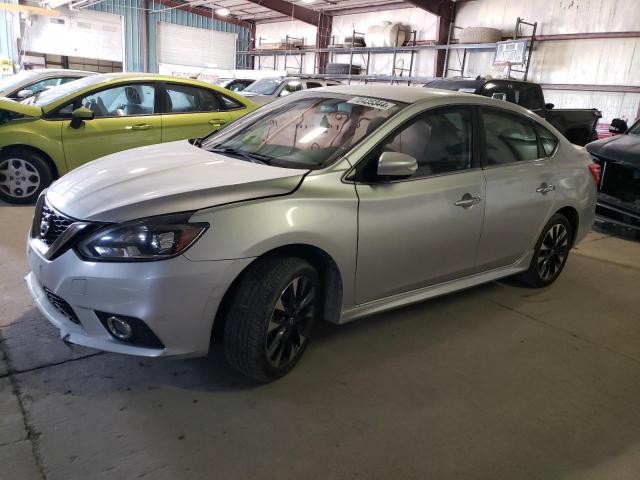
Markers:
{"x": 331, "y": 204}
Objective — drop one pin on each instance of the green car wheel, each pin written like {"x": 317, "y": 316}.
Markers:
{"x": 23, "y": 175}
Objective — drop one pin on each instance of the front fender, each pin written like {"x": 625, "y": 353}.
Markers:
{"x": 322, "y": 213}
{"x": 43, "y": 135}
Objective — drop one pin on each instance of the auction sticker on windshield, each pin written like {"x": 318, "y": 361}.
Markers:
{"x": 372, "y": 103}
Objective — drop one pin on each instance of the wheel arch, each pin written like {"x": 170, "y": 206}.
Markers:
{"x": 571, "y": 214}
{"x": 47, "y": 158}
{"x": 324, "y": 263}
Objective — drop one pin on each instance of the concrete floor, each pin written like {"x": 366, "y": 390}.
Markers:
{"x": 498, "y": 382}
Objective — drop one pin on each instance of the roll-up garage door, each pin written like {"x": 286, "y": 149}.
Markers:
{"x": 78, "y": 34}
{"x": 195, "y": 47}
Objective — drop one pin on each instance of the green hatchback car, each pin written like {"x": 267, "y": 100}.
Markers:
{"x": 57, "y": 130}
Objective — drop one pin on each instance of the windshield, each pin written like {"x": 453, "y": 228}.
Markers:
{"x": 54, "y": 94}
{"x": 222, "y": 82}
{"x": 635, "y": 129}
{"x": 9, "y": 83}
{"x": 309, "y": 132}
{"x": 264, "y": 86}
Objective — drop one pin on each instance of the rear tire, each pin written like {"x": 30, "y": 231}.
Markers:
{"x": 270, "y": 317}
{"x": 23, "y": 175}
{"x": 550, "y": 253}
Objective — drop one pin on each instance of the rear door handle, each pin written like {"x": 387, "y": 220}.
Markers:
{"x": 217, "y": 122}
{"x": 140, "y": 126}
{"x": 544, "y": 189}
{"x": 468, "y": 201}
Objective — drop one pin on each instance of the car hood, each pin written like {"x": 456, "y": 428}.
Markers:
{"x": 165, "y": 178}
{"x": 625, "y": 148}
{"x": 17, "y": 107}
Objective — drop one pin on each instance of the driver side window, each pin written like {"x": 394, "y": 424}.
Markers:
{"x": 439, "y": 140}
{"x": 121, "y": 101}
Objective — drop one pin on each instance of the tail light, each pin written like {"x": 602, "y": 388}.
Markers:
{"x": 594, "y": 169}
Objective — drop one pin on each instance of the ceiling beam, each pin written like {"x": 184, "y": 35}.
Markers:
{"x": 441, "y": 8}
{"x": 290, "y": 10}
{"x": 14, "y": 7}
{"x": 199, "y": 11}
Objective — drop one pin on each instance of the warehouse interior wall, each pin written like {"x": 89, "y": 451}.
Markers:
{"x": 423, "y": 22}
{"x": 140, "y": 33}
{"x": 9, "y": 32}
{"x": 589, "y": 61}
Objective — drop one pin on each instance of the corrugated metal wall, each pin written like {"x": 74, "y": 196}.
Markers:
{"x": 133, "y": 11}
{"x": 189, "y": 19}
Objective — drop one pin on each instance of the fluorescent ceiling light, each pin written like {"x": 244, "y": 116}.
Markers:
{"x": 223, "y": 12}
{"x": 308, "y": 1}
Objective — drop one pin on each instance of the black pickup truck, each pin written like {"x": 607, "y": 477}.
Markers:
{"x": 577, "y": 124}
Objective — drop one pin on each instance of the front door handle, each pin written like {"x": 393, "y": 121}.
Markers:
{"x": 217, "y": 122}
{"x": 140, "y": 126}
{"x": 544, "y": 189}
{"x": 468, "y": 201}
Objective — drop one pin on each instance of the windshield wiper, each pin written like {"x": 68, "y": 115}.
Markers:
{"x": 251, "y": 157}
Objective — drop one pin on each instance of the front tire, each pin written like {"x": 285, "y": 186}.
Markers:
{"x": 550, "y": 253}
{"x": 23, "y": 175}
{"x": 271, "y": 315}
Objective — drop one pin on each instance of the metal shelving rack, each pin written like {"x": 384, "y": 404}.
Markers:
{"x": 297, "y": 54}
{"x": 368, "y": 51}
{"x": 462, "y": 62}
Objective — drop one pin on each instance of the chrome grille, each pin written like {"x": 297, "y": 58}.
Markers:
{"x": 61, "y": 305}
{"x": 51, "y": 225}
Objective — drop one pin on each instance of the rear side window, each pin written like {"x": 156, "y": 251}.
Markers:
{"x": 229, "y": 103}
{"x": 498, "y": 87}
{"x": 189, "y": 99}
{"x": 529, "y": 96}
{"x": 509, "y": 138}
{"x": 548, "y": 140}
{"x": 313, "y": 85}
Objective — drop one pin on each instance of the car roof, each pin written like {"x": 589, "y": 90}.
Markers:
{"x": 396, "y": 93}
{"x": 122, "y": 77}
{"x": 58, "y": 71}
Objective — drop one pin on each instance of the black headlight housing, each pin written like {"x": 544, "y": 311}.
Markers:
{"x": 146, "y": 239}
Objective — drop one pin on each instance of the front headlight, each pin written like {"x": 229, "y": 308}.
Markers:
{"x": 153, "y": 238}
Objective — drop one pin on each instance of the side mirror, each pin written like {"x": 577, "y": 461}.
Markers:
{"x": 618, "y": 126}
{"x": 549, "y": 106}
{"x": 80, "y": 115}
{"x": 25, "y": 93}
{"x": 499, "y": 96}
{"x": 396, "y": 164}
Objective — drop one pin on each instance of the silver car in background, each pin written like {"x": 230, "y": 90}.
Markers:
{"x": 29, "y": 82}
{"x": 268, "y": 89}
{"x": 331, "y": 204}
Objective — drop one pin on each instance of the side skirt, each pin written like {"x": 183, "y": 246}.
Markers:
{"x": 432, "y": 291}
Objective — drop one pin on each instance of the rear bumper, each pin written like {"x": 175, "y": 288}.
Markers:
{"x": 177, "y": 299}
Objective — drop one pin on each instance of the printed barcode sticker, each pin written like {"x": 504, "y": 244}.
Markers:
{"x": 372, "y": 103}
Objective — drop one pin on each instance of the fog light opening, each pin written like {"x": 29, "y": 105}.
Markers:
{"x": 119, "y": 328}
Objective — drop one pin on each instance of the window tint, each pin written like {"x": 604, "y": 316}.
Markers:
{"x": 440, "y": 141}
{"x": 508, "y": 138}
{"x": 313, "y": 85}
{"x": 229, "y": 103}
{"x": 236, "y": 86}
{"x": 498, "y": 87}
{"x": 188, "y": 99}
{"x": 45, "y": 84}
{"x": 291, "y": 87}
{"x": 547, "y": 139}
{"x": 528, "y": 96}
{"x": 121, "y": 101}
